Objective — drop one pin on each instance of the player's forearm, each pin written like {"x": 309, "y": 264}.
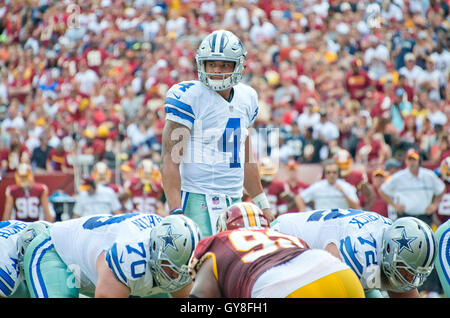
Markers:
{"x": 171, "y": 180}
{"x": 252, "y": 180}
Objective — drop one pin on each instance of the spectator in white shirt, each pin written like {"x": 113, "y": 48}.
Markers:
{"x": 329, "y": 193}
{"x": 13, "y": 120}
{"x": 86, "y": 78}
{"x": 411, "y": 71}
{"x": 95, "y": 199}
{"x": 413, "y": 191}
{"x": 431, "y": 77}
{"x": 308, "y": 118}
{"x": 325, "y": 129}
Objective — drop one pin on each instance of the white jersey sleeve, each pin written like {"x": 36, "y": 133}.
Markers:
{"x": 10, "y": 276}
{"x": 180, "y": 103}
{"x": 130, "y": 264}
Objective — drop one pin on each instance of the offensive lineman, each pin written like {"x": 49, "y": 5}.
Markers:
{"x": 13, "y": 238}
{"x": 396, "y": 257}
{"x": 112, "y": 256}
{"x": 206, "y": 147}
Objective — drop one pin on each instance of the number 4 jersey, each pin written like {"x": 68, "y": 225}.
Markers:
{"x": 241, "y": 256}
{"x": 357, "y": 235}
{"x": 214, "y": 159}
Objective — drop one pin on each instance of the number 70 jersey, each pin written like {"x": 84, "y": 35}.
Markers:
{"x": 214, "y": 159}
{"x": 357, "y": 235}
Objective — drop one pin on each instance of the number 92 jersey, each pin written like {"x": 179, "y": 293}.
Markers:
{"x": 10, "y": 276}
{"x": 125, "y": 240}
{"x": 214, "y": 159}
{"x": 241, "y": 256}
{"x": 357, "y": 235}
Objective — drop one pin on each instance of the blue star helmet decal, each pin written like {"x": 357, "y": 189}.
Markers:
{"x": 404, "y": 242}
{"x": 169, "y": 239}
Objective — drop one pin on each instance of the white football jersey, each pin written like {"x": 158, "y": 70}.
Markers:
{"x": 124, "y": 238}
{"x": 10, "y": 276}
{"x": 213, "y": 162}
{"x": 357, "y": 235}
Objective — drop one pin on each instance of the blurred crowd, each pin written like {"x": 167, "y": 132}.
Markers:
{"x": 90, "y": 77}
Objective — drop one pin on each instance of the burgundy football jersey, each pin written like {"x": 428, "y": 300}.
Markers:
{"x": 145, "y": 202}
{"x": 27, "y": 202}
{"x": 241, "y": 256}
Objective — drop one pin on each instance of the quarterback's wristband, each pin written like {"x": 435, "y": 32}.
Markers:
{"x": 261, "y": 201}
{"x": 176, "y": 211}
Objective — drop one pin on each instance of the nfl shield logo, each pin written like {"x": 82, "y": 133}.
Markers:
{"x": 230, "y": 108}
{"x": 203, "y": 206}
{"x": 215, "y": 200}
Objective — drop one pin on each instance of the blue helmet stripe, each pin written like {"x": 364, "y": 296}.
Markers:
{"x": 222, "y": 41}
{"x": 213, "y": 44}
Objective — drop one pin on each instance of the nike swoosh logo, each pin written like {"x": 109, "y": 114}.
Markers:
{"x": 8, "y": 271}
{"x": 176, "y": 96}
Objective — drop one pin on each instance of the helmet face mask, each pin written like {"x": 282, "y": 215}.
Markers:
{"x": 172, "y": 244}
{"x": 409, "y": 250}
{"x": 221, "y": 46}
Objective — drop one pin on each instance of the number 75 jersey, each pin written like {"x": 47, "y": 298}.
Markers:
{"x": 213, "y": 161}
{"x": 357, "y": 235}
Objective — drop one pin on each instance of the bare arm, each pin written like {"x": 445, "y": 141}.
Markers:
{"x": 398, "y": 207}
{"x": 352, "y": 204}
{"x": 107, "y": 284}
{"x": 45, "y": 206}
{"x": 9, "y": 203}
{"x": 174, "y": 140}
{"x": 369, "y": 193}
{"x": 252, "y": 180}
{"x": 206, "y": 284}
{"x": 300, "y": 203}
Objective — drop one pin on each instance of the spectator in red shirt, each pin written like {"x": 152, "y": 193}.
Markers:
{"x": 57, "y": 159}
{"x": 14, "y": 154}
{"x": 379, "y": 205}
{"x": 370, "y": 149}
{"x": 294, "y": 184}
{"x": 357, "y": 80}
